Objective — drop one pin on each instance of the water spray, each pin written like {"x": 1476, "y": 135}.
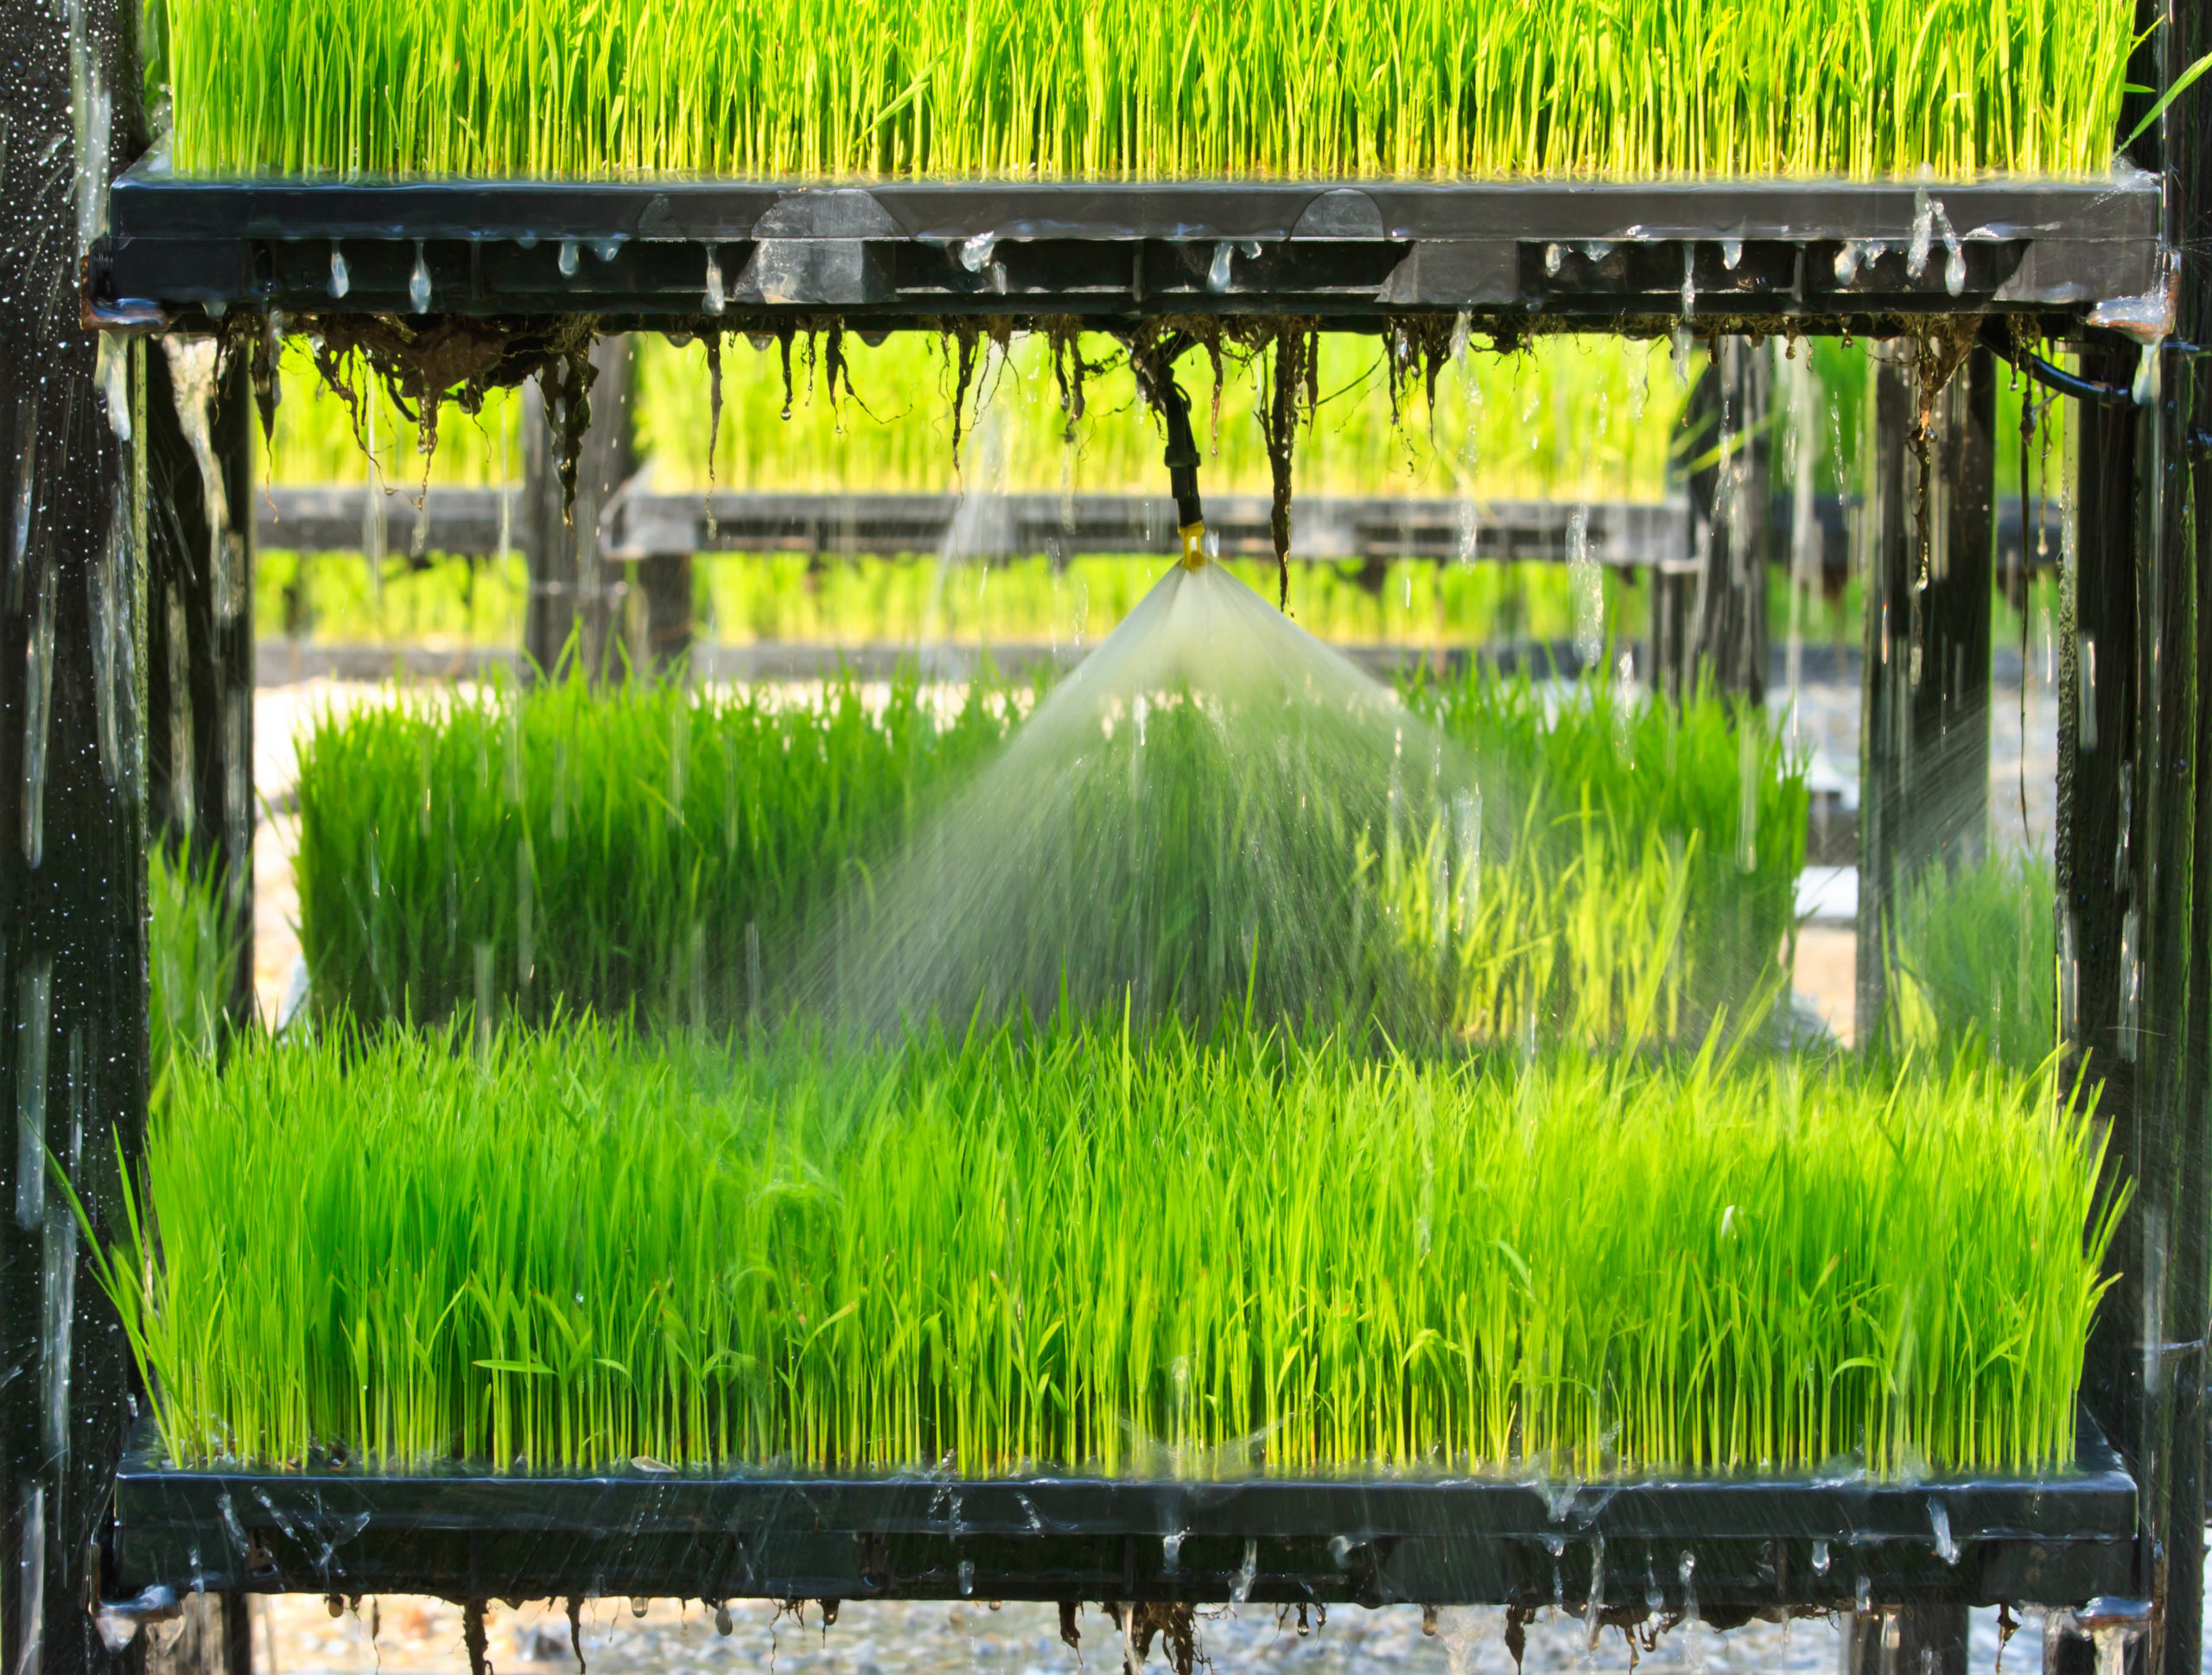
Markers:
{"x": 1156, "y": 378}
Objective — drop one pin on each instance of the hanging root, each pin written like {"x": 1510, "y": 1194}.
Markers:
{"x": 472, "y": 1634}
{"x": 1297, "y": 357}
{"x": 451, "y": 359}
{"x": 576, "y": 1632}
{"x": 1174, "y": 1625}
{"x": 1071, "y": 1636}
{"x": 1070, "y": 371}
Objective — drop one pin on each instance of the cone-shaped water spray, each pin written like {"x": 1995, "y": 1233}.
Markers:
{"x": 1202, "y": 816}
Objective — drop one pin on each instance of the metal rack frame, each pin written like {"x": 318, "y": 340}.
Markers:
{"x": 169, "y": 255}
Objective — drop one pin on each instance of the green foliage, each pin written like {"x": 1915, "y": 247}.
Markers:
{"x": 1073, "y": 1248}
{"x": 1114, "y": 89}
{"x": 1667, "y": 842}
{"x": 1566, "y": 417}
{"x": 1975, "y": 956}
{"x": 600, "y": 849}
{"x": 192, "y": 957}
{"x": 665, "y": 850}
{"x": 786, "y": 599}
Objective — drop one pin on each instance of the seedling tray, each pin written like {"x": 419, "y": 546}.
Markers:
{"x": 1744, "y": 1546}
{"x": 469, "y": 521}
{"x": 1825, "y": 254}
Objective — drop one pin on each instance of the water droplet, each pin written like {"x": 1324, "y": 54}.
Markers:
{"x": 975, "y": 253}
{"x": 1241, "y": 1589}
{"x": 1939, "y": 1519}
{"x": 1924, "y": 234}
{"x": 967, "y": 1577}
{"x": 1551, "y": 261}
{"x": 1218, "y": 271}
{"x": 568, "y": 258}
{"x": 1821, "y": 1559}
{"x": 715, "y": 299}
{"x": 1689, "y": 279}
{"x": 2144, "y": 389}
{"x": 1847, "y": 262}
{"x": 342, "y": 276}
{"x": 38, "y": 705}
{"x": 1731, "y": 253}
{"x": 607, "y": 249}
{"x": 418, "y": 282}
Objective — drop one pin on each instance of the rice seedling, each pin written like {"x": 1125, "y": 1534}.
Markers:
{"x": 574, "y": 848}
{"x": 192, "y": 956}
{"x": 1125, "y": 89}
{"x": 1071, "y": 606}
{"x": 1630, "y": 804}
{"x": 1564, "y": 418}
{"x": 665, "y": 850}
{"x": 1074, "y": 1247}
{"x": 1975, "y": 956}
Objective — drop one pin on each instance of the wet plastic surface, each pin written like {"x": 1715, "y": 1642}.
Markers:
{"x": 1822, "y": 252}
{"x": 1744, "y": 1546}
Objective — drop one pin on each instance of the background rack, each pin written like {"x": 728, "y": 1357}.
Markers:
{"x": 95, "y": 431}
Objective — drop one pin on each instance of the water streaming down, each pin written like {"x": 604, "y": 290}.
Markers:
{"x": 1209, "y": 812}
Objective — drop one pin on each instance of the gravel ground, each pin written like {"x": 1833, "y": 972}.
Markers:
{"x": 297, "y": 1636}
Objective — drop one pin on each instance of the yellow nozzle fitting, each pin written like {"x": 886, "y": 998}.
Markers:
{"x": 1194, "y": 546}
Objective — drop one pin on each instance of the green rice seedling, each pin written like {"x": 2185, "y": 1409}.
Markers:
{"x": 192, "y": 957}
{"x": 788, "y": 598}
{"x": 1704, "y": 801}
{"x": 646, "y": 847}
{"x": 1073, "y": 1248}
{"x": 1564, "y": 418}
{"x": 670, "y": 852}
{"x": 1187, "y": 821}
{"x": 1130, "y": 89}
{"x": 1975, "y": 956}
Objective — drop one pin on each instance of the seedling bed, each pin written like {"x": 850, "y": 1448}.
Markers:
{"x": 1828, "y": 254}
{"x": 1758, "y": 1545}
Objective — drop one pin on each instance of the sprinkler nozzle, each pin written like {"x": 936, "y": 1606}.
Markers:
{"x": 1194, "y": 546}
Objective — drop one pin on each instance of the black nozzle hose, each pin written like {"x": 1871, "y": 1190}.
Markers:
{"x": 1155, "y": 371}
{"x": 1999, "y": 343}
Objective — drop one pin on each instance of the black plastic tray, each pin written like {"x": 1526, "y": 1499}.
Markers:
{"x": 1745, "y": 1545}
{"x": 1825, "y": 253}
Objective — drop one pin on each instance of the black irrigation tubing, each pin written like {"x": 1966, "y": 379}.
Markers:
{"x": 1999, "y": 343}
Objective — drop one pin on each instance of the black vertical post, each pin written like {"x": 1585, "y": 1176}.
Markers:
{"x": 2135, "y": 870}
{"x": 200, "y": 443}
{"x": 72, "y": 949}
{"x": 575, "y": 593}
{"x": 1709, "y": 620}
{"x": 2144, "y": 1037}
{"x": 662, "y": 609}
{"x": 1930, "y": 559}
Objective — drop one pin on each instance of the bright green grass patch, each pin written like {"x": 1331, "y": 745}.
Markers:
{"x": 664, "y": 851}
{"x": 1070, "y": 1250}
{"x": 785, "y": 598}
{"x": 1567, "y": 418}
{"x": 1975, "y": 955}
{"x": 1142, "y": 88}
{"x": 571, "y": 848}
{"x": 192, "y": 957}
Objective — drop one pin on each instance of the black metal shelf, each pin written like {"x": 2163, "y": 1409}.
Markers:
{"x": 1745, "y": 1545}
{"x": 1593, "y": 254}
{"x": 482, "y": 522}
